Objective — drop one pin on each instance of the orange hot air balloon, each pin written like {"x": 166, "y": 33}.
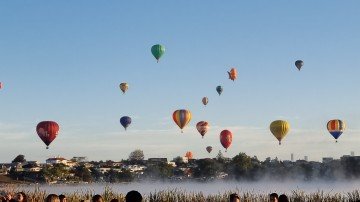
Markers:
{"x": 189, "y": 155}
{"x": 182, "y": 117}
{"x": 205, "y": 100}
{"x": 47, "y": 131}
{"x": 202, "y": 127}
{"x": 226, "y": 139}
{"x": 232, "y": 74}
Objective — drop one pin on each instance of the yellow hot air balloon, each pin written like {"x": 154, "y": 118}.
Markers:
{"x": 182, "y": 117}
{"x": 124, "y": 87}
{"x": 279, "y": 129}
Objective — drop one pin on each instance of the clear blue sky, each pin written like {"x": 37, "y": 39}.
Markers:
{"x": 64, "y": 60}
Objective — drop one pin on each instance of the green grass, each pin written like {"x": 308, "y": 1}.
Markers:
{"x": 176, "y": 195}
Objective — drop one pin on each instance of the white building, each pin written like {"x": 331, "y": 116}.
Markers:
{"x": 57, "y": 160}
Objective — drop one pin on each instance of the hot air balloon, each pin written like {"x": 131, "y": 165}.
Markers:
{"x": 209, "y": 149}
{"x": 205, "y": 100}
{"x": 47, "y": 131}
{"x": 189, "y": 155}
{"x": 336, "y": 127}
{"x": 232, "y": 74}
{"x": 182, "y": 117}
{"x": 125, "y": 121}
{"x": 226, "y": 139}
{"x": 279, "y": 129}
{"x": 219, "y": 89}
{"x": 0, "y": 85}
{"x": 124, "y": 87}
{"x": 202, "y": 127}
{"x": 157, "y": 51}
{"x": 299, "y": 64}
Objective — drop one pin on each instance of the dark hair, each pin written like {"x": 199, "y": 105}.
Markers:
{"x": 234, "y": 196}
{"x": 51, "y": 197}
{"x": 62, "y": 196}
{"x": 114, "y": 200}
{"x": 274, "y": 195}
{"x": 24, "y": 196}
{"x": 96, "y": 198}
{"x": 283, "y": 198}
{"x": 133, "y": 196}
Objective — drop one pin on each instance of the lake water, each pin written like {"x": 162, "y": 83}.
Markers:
{"x": 263, "y": 187}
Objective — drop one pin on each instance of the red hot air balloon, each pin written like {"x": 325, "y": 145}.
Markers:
{"x": 226, "y": 139}
{"x": 47, "y": 131}
{"x": 0, "y": 85}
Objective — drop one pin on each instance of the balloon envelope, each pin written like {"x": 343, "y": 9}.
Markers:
{"x": 202, "y": 127}
{"x": 279, "y": 129}
{"x": 157, "y": 51}
{"x": 299, "y": 64}
{"x": 125, "y": 121}
{"x": 47, "y": 131}
{"x": 189, "y": 155}
{"x": 219, "y": 89}
{"x": 232, "y": 74}
{"x": 209, "y": 149}
{"x": 226, "y": 138}
{"x": 182, "y": 117}
{"x": 124, "y": 87}
{"x": 205, "y": 100}
{"x": 336, "y": 127}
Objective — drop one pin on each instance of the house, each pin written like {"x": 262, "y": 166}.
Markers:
{"x": 79, "y": 159}
{"x": 57, "y": 160}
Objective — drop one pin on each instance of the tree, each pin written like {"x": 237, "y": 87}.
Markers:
{"x": 241, "y": 165}
{"x": 136, "y": 156}
{"x": 220, "y": 156}
{"x": 207, "y": 168}
{"x": 19, "y": 159}
{"x": 83, "y": 173}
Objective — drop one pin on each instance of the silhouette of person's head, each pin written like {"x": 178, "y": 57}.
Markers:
{"x": 133, "y": 196}
{"x": 274, "y": 197}
{"x": 62, "y": 198}
{"x": 283, "y": 198}
{"x": 234, "y": 198}
{"x": 97, "y": 198}
{"x": 52, "y": 198}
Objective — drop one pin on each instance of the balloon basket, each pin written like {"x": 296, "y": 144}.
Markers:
{"x": 47, "y": 147}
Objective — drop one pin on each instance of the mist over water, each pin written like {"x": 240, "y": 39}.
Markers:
{"x": 260, "y": 187}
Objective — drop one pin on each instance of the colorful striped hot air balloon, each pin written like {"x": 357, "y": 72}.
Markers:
{"x": 202, "y": 127}
{"x": 232, "y": 74}
{"x": 336, "y": 127}
{"x": 182, "y": 117}
{"x": 226, "y": 139}
{"x": 124, "y": 87}
{"x": 47, "y": 131}
{"x": 279, "y": 129}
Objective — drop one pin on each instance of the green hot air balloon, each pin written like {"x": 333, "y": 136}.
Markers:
{"x": 157, "y": 51}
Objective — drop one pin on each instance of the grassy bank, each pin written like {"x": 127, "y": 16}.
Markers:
{"x": 180, "y": 196}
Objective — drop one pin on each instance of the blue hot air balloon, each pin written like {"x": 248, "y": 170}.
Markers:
{"x": 125, "y": 121}
{"x": 219, "y": 89}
